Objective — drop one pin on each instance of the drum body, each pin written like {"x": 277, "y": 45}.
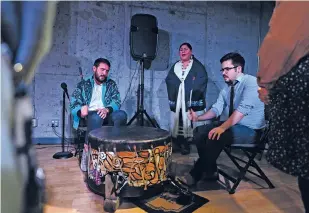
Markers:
{"x": 137, "y": 156}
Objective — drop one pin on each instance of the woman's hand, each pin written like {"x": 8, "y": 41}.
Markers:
{"x": 263, "y": 95}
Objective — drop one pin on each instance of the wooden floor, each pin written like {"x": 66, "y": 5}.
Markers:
{"x": 67, "y": 192}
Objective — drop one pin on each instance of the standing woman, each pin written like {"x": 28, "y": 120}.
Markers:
{"x": 186, "y": 87}
{"x": 284, "y": 81}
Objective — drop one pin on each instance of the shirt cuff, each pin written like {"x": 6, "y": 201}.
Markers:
{"x": 79, "y": 113}
{"x": 244, "y": 109}
{"x": 215, "y": 111}
{"x": 110, "y": 109}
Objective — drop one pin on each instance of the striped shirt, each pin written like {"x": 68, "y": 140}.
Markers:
{"x": 246, "y": 101}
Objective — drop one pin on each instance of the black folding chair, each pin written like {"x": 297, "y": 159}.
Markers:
{"x": 251, "y": 151}
{"x": 80, "y": 137}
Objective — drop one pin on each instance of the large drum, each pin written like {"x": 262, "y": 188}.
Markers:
{"x": 127, "y": 158}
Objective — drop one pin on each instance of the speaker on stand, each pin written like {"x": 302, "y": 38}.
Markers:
{"x": 143, "y": 48}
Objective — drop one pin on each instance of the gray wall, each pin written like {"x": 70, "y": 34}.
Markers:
{"x": 84, "y": 31}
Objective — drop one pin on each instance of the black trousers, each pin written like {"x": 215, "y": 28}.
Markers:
{"x": 304, "y": 190}
{"x": 180, "y": 139}
{"x": 209, "y": 150}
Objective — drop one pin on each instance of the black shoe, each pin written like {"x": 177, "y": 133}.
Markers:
{"x": 185, "y": 148}
{"x": 176, "y": 148}
{"x": 176, "y": 143}
{"x": 185, "y": 151}
{"x": 187, "y": 179}
{"x": 211, "y": 177}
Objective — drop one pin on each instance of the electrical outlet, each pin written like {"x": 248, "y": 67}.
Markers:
{"x": 55, "y": 123}
{"x": 34, "y": 122}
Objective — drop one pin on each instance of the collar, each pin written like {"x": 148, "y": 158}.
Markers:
{"x": 240, "y": 77}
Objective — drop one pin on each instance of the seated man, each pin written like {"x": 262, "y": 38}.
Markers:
{"x": 243, "y": 123}
{"x": 97, "y": 98}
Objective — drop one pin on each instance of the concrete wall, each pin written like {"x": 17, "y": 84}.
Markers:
{"x": 84, "y": 31}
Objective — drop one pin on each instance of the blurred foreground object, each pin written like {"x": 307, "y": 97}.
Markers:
{"x": 26, "y": 35}
{"x": 284, "y": 75}
{"x": 286, "y": 42}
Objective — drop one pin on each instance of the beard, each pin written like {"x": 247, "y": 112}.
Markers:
{"x": 100, "y": 78}
{"x": 226, "y": 79}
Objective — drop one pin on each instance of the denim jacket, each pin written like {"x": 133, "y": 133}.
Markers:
{"x": 82, "y": 96}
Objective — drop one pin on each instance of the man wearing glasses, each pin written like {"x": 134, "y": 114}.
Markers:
{"x": 241, "y": 118}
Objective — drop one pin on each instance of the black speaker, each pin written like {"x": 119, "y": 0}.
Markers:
{"x": 143, "y": 37}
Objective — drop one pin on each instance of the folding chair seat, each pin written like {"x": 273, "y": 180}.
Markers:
{"x": 251, "y": 151}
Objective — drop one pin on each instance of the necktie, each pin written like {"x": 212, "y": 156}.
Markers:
{"x": 231, "y": 109}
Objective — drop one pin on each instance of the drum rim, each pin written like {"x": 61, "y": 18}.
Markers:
{"x": 93, "y": 138}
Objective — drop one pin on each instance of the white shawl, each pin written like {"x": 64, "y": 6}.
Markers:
{"x": 186, "y": 129}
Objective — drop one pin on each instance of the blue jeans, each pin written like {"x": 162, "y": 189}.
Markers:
{"x": 209, "y": 150}
{"x": 116, "y": 118}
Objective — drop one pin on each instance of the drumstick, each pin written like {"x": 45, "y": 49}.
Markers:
{"x": 191, "y": 98}
{"x": 191, "y": 105}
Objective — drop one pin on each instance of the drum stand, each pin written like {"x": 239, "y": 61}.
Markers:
{"x": 139, "y": 115}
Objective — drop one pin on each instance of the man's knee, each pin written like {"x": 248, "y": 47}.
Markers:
{"x": 201, "y": 132}
{"x": 94, "y": 117}
{"x": 119, "y": 117}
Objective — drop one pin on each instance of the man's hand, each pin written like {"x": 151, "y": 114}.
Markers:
{"x": 263, "y": 95}
{"x": 103, "y": 112}
{"x": 192, "y": 116}
{"x": 84, "y": 111}
{"x": 216, "y": 132}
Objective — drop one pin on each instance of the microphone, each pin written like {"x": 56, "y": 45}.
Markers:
{"x": 65, "y": 89}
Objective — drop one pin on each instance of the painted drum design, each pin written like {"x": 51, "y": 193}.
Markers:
{"x": 140, "y": 155}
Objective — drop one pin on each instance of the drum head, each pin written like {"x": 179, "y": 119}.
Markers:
{"x": 125, "y": 137}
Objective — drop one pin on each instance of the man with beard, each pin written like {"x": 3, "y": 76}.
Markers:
{"x": 97, "y": 99}
{"x": 241, "y": 118}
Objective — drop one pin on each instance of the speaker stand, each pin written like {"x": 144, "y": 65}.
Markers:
{"x": 139, "y": 115}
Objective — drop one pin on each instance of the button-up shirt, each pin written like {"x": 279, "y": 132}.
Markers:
{"x": 96, "y": 98}
{"x": 246, "y": 101}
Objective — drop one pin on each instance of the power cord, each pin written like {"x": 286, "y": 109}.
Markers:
{"x": 130, "y": 84}
{"x": 65, "y": 139}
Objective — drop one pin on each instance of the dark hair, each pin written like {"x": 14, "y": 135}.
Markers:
{"x": 237, "y": 59}
{"x": 98, "y": 61}
{"x": 187, "y": 44}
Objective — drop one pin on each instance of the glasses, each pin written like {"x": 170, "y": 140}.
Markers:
{"x": 227, "y": 68}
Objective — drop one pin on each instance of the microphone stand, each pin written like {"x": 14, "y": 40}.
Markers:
{"x": 63, "y": 154}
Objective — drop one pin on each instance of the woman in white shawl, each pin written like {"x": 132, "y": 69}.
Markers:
{"x": 186, "y": 86}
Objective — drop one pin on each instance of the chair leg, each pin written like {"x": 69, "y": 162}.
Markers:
{"x": 228, "y": 152}
{"x": 243, "y": 170}
{"x": 264, "y": 177}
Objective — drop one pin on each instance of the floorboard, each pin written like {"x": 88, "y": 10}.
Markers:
{"x": 67, "y": 192}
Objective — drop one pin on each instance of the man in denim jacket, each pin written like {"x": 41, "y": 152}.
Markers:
{"x": 97, "y": 99}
